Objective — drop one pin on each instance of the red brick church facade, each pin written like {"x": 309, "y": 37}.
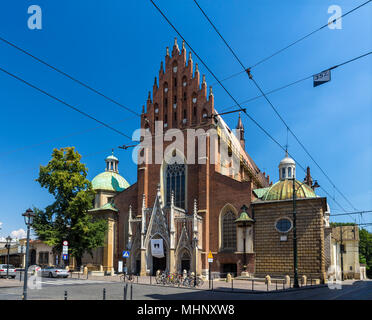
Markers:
{"x": 198, "y": 214}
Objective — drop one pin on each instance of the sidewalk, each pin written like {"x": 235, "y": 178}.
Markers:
{"x": 237, "y": 285}
{"x": 10, "y": 283}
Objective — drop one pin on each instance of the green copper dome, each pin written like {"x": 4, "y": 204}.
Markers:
{"x": 110, "y": 181}
{"x": 283, "y": 190}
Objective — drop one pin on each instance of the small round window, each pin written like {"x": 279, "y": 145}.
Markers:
{"x": 283, "y": 225}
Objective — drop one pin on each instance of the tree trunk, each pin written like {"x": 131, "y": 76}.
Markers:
{"x": 78, "y": 262}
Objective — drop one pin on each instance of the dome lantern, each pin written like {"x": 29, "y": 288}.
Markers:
{"x": 110, "y": 180}
{"x": 287, "y": 168}
{"x": 112, "y": 163}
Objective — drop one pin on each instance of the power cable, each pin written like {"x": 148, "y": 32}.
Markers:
{"x": 68, "y": 76}
{"x": 64, "y": 103}
{"x": 272, "y": 106}
{"x": 229, "y": 94}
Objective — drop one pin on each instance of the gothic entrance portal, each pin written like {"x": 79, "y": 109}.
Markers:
{"x": 158, "y": 264}
{"x": 185, "y": 261}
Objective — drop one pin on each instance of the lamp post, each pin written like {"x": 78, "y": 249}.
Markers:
{"x": 243, "y": 222}
{"x": 28, "y": 216}
{"x": 8, "y": 241}
{"x": 295, "y": 260}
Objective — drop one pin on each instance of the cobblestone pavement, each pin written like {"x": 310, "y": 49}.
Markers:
{"x": 217, "y": 284}
{"x": 113, "y": 290}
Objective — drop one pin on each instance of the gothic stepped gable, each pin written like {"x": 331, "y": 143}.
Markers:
{"x": 179, "y": 99}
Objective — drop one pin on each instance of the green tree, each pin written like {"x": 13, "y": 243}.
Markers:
{"x": 67, "y": 218}
{"x": 365, "y": 250}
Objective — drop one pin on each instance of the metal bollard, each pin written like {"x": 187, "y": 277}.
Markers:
{"x": 232, "y": 284}
{"x": 276, "y": 285}
{"x": 212, "y": 283}
{"x": 283, "y": 285}
{"x": 267, "y": 286}
{"x": 137, "y": 278}
{"x": 150, "y": 280}
{"x": 252, "y": 284}
{"x": 65, "y": 295}
{"x": 104, "y": 294}
{"x": 131, "y": 292}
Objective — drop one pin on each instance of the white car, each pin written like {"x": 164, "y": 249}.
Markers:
{"x": 54, "y": 272}
{"x": 11, "y": 271}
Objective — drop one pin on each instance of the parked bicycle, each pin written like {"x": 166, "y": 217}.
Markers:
{"x": 127, "y": 277}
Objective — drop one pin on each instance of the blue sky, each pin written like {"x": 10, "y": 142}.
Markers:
{"x": 117, "y": 46}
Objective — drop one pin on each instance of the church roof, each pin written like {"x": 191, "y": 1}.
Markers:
{"x": 107, "y": 206}
{"x": 109, "y": 181}
{"x": 112, "y": 157}
{"x": 235, "y": 145}
{"x": 283, "y": 190}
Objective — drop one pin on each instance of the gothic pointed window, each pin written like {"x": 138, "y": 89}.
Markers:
{"x": 176, "y": 182}
{"x": 228, "y": 231}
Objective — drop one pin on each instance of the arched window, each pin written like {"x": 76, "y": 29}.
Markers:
{"x": 229, "y": 231}
{"x": 176, "y": 182}
{"x": 204, "y": 115}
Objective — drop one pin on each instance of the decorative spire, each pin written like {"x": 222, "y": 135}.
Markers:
{"x": 175, "y": 46}
{"x": 204, "y": 82}
{"x": 172, "y": 199}
{"x": 143, "y": 109}
{"x": 167, "y": 52}
{"x": 183, "y": 45}
{"x": 240, "y": 132}
{"x": 149, "y": 96}
{"x": 211, "y": 92}
{"x": 143, "y": 202}
{"x": 195, "y": 219}
{"x": 240, "y": 123}
{"x": 130, "y": 221}
{"x": 155, "y": 82}
{"x": 190, "y": 57}
{"x": 143, "y": 218}
{"x": 196, "y": 67}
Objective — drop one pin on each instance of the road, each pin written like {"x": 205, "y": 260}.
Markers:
{"x": 54, "y": 289}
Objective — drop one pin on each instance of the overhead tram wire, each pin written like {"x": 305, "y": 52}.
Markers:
{"x": 355, "y": 212}
{"x": 64, "y": 103}
{"x": 68, "y": 76}
{"x": 228, "y": 93}
{"x": 294, "y": 42}
{"x": 272, "y": 106}
{"x": 297, "y": 81}
{"x": 74, "y": 134}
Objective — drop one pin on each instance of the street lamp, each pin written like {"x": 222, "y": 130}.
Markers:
{"x": 8, "y": 241}
{"x": 243, "y": 222}
{"x": 29, "y": 217}
{"x": 295, "y": 260}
